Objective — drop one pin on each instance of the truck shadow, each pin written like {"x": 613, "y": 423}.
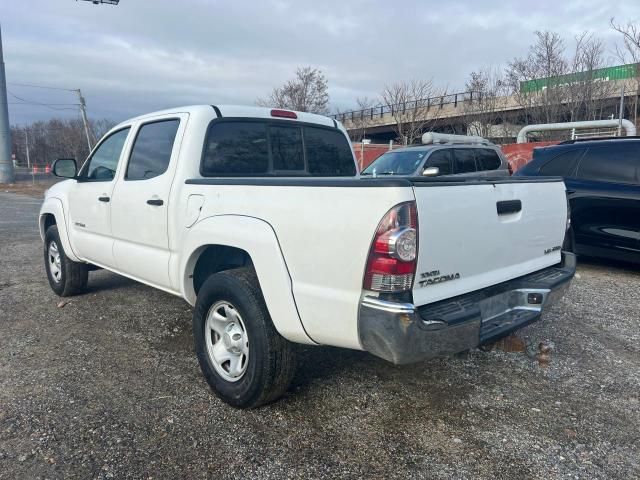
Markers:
{"x": 103, "y": 280}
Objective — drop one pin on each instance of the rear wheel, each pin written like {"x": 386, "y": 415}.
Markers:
{"x": 244, "y": 359}
{"x": 66, "y": 277}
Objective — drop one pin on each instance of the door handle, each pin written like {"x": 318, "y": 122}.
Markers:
{"x": 508, "y": 206}
{"x": 156, "y": 202}
{"x": 104, "y": 199}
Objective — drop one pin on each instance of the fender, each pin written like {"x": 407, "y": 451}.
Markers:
{"x": 259, "y": 240}
{"x": 53, "y": 206}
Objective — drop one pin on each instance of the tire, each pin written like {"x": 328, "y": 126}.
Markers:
{"x": 231, "y": 302}
{"x": 65, "y": 276}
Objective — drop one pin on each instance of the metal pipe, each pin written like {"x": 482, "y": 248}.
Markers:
{"x": 628, "y": 126}
{"x": 621, "y": 112}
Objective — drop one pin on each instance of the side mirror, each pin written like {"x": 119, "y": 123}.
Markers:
{"x": 431, "y": 172}
{"x": 65, "y": 168}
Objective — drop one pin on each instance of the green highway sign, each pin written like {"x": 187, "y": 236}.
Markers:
{"x": 620, "y": 72}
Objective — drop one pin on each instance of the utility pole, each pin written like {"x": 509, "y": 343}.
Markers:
{"x": 26, "y": 145}
{"x": 7, "y": 175}
{"x": 83, "y": 110}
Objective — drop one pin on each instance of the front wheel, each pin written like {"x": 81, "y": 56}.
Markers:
{"x": 244, "y": 359}
{"x": 66, "y": 277}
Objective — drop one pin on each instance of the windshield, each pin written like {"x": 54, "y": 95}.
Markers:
{"x": 396, "y": 163}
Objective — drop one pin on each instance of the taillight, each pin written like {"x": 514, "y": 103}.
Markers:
{"x": 391, "y": 265}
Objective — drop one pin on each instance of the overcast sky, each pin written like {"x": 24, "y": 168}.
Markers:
{"x": 144, "y": 55}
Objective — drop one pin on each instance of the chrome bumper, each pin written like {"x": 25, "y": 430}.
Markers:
{"x": 404, "y": 333}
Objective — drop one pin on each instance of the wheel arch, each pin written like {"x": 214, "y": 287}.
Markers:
{"x": 52, "y": 213}
{"x": 222, "y": 242}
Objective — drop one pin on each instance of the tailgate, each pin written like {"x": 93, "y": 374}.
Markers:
{"x": 466, "y": 245}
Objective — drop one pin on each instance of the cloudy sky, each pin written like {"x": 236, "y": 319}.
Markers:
{"x": 145, "y": 55}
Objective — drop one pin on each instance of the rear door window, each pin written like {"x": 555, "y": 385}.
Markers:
{"x": 442, "y": 160}
{"x": 487, "y": 159}
{"x": 464, "y": 160}
{"x": 152, "y": 149}
{"x": 614, "y": 163}
{"x": 562, "y": 165}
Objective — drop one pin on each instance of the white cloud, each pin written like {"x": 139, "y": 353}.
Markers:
{"x": 141, "y": 56}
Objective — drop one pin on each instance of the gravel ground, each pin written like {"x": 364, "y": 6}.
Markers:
{"x": 108, "y": 387}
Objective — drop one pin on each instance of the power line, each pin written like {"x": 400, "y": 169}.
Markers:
{"x": 31, "y": 85}
{"x": 82, "y": 105}
{"x": 32, "y": 102}
{"x": 47, "y": 104}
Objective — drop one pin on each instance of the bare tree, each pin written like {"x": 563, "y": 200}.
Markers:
{"x": 629, "y": 52}
{"x": 410, "y": 107}
{"x": 307, "y": 92}
{"x": 584, "y": 92}
{"x": 55, "y": 138}
{"x": 362, "y": 118}
{"x": 549, "y": 61}
{"x": 484, "y": 109}
{"x": 544, "y": 64}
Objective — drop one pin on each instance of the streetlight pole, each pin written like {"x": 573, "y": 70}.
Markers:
{"x": 7, "y": 175}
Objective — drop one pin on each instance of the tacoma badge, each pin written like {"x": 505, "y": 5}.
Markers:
{"x": 433, "y": 277}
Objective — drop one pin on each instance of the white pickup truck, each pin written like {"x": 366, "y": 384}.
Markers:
{"x": 258, "y": 219}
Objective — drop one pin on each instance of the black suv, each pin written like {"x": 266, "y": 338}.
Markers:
{"x": 603, "y": 186}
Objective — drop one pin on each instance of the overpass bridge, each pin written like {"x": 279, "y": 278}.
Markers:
{"x": 453, "y": 113}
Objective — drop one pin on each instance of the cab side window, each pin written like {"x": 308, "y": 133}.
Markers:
{"x": 616, "y": 164}
{"x": 562, "y": 165}
{"x": 152, "y": 149}
{"x": 442, "y": 160}
{"x": 487, "y": 159}
{"x": 102, "y": 165}
{"x": 464, "y": 160}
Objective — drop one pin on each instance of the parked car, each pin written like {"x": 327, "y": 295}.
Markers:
{"x": 442, "y": 155}
{"x": 257, "y": 218}
{"x": 603, "y": 187}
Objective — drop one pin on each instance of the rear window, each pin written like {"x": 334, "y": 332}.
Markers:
{"x": 286, "y": 148}
{"x": 236, "y": 148}
{"x": 396, "y": 163}
{"x": 262, "y": 148}
{"x": 614, "y": 163}
{"x": 487, "y": 159}
{"x": 328, "y": 153}
{"x": 561, "y": 165}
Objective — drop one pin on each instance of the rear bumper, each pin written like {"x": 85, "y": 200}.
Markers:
{"x": 404, "y": 333}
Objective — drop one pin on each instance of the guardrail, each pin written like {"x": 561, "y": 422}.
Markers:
{"x": 381, "y": 110}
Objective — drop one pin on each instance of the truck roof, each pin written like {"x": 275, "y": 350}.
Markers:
{"x": 239, "y": 111}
